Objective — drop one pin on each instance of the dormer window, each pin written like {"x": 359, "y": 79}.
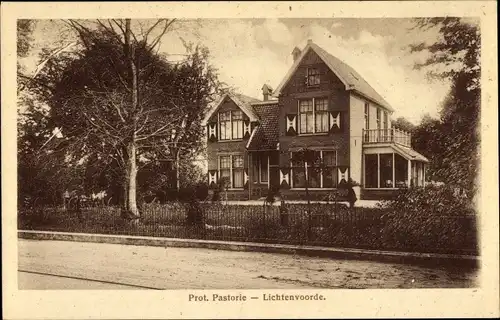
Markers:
{"x": 231, "y": 125}
{"x": 313, "y": 78}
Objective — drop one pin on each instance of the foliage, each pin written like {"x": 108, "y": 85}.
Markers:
{"x": 403, "y": 124}
{"x": 430, "y": 216}
{"x": 455, "y": 56}
{"x": 332, "y": 225}
{"x": 120, "y": 106}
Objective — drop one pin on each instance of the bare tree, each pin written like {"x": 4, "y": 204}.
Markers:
{"x": 121, "y": 101}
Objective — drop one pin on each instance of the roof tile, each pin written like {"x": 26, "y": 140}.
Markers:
{"x": 266, "y": 136}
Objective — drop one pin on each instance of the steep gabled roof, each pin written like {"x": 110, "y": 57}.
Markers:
{"x": 349, "y": 77}
{"x": 266, "y": 135}
{"x": 243, "y": 102}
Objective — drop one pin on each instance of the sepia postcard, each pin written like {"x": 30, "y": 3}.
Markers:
{"x": 249, "y": 160}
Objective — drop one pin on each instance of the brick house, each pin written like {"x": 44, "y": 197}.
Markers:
{"x": 321, "y": 105}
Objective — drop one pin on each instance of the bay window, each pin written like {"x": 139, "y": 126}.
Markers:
{"x": 320, "y": 174}
{"x": 313, "y": 116}
{"x": 231, "y": 125}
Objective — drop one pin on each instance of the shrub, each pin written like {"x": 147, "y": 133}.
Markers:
{"x": 428, "y": 218}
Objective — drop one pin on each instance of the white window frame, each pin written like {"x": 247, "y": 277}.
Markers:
{"x": 230, "y": 155}
{"x": 321, "y": 173}
{"x": 314, "y": 116}
{"x": 230, "y": 126}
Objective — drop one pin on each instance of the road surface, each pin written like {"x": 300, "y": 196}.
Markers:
{"x": 80, "y": 265}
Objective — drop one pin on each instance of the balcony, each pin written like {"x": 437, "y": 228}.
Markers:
{"x": 392, "y": 135}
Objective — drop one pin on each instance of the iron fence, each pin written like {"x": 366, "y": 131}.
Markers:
{"x": 332, "y": 225}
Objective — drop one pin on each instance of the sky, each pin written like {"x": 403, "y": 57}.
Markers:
{"x": 251, "y": 52}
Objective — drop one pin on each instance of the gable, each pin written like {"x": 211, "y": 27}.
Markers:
{"x": 231, "y": 102}
{"x": 297, "y": 81}
{"x": 351, "y": 79}
{"x": 227, "y": 104}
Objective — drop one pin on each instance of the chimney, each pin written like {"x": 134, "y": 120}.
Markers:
{"x": 296, "y": 54}
{"x": 309, "y": 41}
{"x": 266, "y": 92}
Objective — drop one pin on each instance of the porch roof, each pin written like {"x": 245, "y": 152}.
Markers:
{"x": 409, "y": 153}
{"x": 404, "y": 151}
{"x": 266, "y": 135}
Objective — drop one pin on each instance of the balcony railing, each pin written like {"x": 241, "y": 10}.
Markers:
{"x": 392, "y": 135}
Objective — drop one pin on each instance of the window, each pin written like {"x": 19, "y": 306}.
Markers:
{"x": 263, "y": 168}
{"x": 238, "y": 172}
{"x": 401, "y": 171}
{"x": 367, "y": 116}
{"x": 313, "y": 77}
{"x": 306, "y": 116}
{"x": 378, "y": 118}
{"x": 225, "y": 167}
{"x": 371, "y": 171}
{"x": 329, "y": 169}
{"x": 231, "y": 125}
{"x": 237, "y": 124}
{"x": 260, "y": 168}
{"x": 225, "y": 125}
{"x": 386, "y": 121}
{"x": 321, "y": 115}
{"x": 386, "y": 170}
{"x": 231, "y": 168}
{"x": 313, "y": 116}
{"x": 321, "y": 174}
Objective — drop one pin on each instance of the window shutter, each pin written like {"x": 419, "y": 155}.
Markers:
{"x": 335, "y": 125}
{"x": 285, "y": 178}
{"x": 343, "y": 175}
{"x": 246, "y": 129}
{"x": 291, "y": 124}
{"x": 212, "y": 178}
{"x": 245, "y": 177}
{"x": 212, "y": 131}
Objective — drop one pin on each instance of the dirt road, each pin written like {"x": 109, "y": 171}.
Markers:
{"x": 192, "y": 268}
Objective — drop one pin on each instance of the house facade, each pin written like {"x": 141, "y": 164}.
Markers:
{"x": 322, "y": 107}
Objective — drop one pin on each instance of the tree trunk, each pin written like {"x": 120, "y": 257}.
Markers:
{"x": 177, "y": 173}
{"x": 132, "y": 181}
{"x": 129, "y": 50}
{"x": 124, "y": 195}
